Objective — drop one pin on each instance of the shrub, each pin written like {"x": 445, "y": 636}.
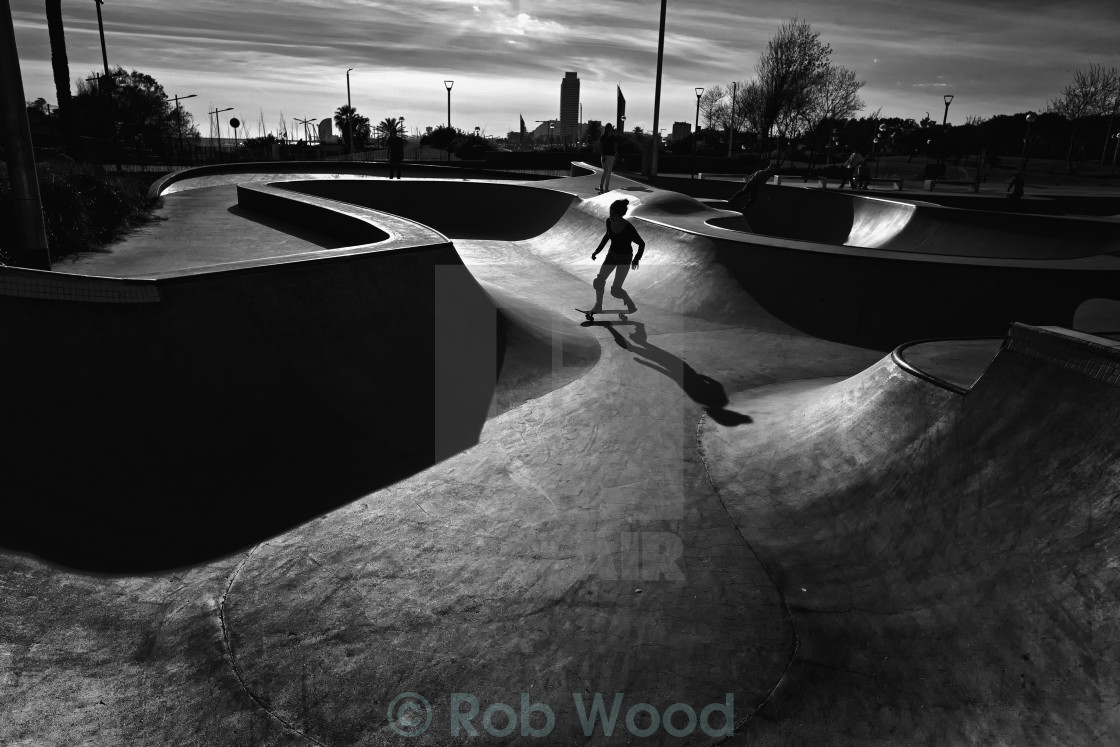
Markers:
{"x": 85, "y": 207}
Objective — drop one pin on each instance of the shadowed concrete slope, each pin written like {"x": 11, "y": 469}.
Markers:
{"x": 949, "y": 560}
{"x": 834, "y": 217}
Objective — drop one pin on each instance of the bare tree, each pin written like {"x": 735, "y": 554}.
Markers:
{"x": 790, "y": 74}
{"x": 712, "y": 105}
{"x": 1092, "y": 92}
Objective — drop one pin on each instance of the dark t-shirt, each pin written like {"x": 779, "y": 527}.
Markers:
{"x": 608, "y": 145}
{"x": 620, "y": 242}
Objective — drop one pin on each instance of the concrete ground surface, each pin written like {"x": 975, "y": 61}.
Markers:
{"x": 705, "y": 511}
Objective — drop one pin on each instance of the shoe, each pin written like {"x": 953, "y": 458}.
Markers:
{"x": 631, "y": 308}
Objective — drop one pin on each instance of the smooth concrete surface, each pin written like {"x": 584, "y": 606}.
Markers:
{"x": 707, "y": 503}
{"x": 949, "y": 560}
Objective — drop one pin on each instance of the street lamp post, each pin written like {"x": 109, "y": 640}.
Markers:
{"x": 657, "y": 91}
{"x": 447, "y": 84}
{"x": 179, "y": 117}
{"x": 101, "y": 31}
{"x": 349, "y": 113}
{"x": 1031, "y": 117}
{"x": 1115, "y": 148}
{"x": 218, "y": 123}
{"x": 944, "y": 121}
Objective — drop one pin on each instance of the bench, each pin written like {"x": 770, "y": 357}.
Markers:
{"x": 972, "y": 184}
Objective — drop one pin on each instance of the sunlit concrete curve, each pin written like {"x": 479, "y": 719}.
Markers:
{"x": 578, "y": 546}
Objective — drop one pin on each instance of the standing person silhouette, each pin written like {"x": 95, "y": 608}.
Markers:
{"x": 608, "y": 149}
{"x": 620, "y": 257}
{"x": 1015, "y": 186}
{"x": 396, "y": 155}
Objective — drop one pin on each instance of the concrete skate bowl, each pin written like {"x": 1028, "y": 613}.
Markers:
{"x": 487, "y": 210}
{"x": 847, "y": 219}
{"x": 872, "y": 298}
{"x": 209, "y": 416}
{"x": 949, "y": 561}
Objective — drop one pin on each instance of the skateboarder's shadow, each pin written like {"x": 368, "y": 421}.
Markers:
{"x": 703, "y": 389}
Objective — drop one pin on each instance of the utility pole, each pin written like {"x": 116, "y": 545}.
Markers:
{"x": 657, "y": 91}
{"x": 29, "y": 245}
{"x": 349, "y": 113}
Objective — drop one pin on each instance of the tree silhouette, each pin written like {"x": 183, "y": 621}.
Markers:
{"x": 346, "y": 117}
{"x": 389, "y": 126}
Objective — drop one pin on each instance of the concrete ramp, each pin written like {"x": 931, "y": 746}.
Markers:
{"x": 935, "y": 548}
{"x": 912, "y": 226}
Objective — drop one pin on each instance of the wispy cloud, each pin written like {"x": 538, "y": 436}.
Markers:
{"x": 508, "y": 56}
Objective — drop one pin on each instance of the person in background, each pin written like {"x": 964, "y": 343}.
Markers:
{"x": 608, "y": 150}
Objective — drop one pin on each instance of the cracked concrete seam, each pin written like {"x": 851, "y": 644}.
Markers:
{"x": 741, "y": 724}
{"x": 231, "y": 657}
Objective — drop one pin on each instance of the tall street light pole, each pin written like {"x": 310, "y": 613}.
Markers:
{"x": 696, "y": 126}
{"x": 179, "y": 117}
{"x": 218, "y": 124}
{"x": 944, "y": 122}
{"x": 349, "y": 113}
{"x": 101, "y": 31}
{"x": 1031, "y": 117}
{"x": 657, "y": 91}
{"x": 447, "y": 84}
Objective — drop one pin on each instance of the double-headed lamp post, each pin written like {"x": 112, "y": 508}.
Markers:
{"x": 1031, "y": 117}
{"x": 944, "y": 122}
{"x": 447, "y": 84}
{"x": 179, "y": 117}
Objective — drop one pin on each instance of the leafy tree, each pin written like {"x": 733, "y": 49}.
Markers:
{"x": 140, "y": 105}
{"x": 471, "y": 147}
{"x": 347, "y": 120}
{"x": 1092, "y": 92}
{"x": 441, "y": 137}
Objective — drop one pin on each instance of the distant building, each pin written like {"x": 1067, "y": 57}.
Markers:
{"x": 569, "y": 108}
{"x": 620, "y": 114}
{"x": 543, "y": 132}
{"x": 326, "y": 132}
{"x": 681, "y": 130}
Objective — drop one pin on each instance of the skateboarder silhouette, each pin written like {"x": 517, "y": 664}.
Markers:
{"x": 620, "y": 257}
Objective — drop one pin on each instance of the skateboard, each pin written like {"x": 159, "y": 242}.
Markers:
{"x": 622, "y": 313}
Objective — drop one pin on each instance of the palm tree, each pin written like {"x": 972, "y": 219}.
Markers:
{"x": 389, "y": 126}
{"x": 61, "y": 68}
{"x": 346, "y": 118}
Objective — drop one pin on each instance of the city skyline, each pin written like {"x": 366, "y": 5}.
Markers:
{"x": 507, "y": 57}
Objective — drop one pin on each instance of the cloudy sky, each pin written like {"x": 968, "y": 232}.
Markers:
{"x": 507, "y": 57}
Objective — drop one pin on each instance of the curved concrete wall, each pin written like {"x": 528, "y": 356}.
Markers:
{"x": 477, "y": 210}
{"x": 220, "y": 399}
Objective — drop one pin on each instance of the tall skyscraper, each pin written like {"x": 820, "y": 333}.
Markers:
{"x": 620, "y": 113}
{"x": 569, "y": 108}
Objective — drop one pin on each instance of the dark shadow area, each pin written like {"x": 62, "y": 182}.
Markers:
{"x": 701, "y": 388}
{"x": 459, "y": 210}
{"x": 292, "y": 228}
{"x": 139, "y": 437}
